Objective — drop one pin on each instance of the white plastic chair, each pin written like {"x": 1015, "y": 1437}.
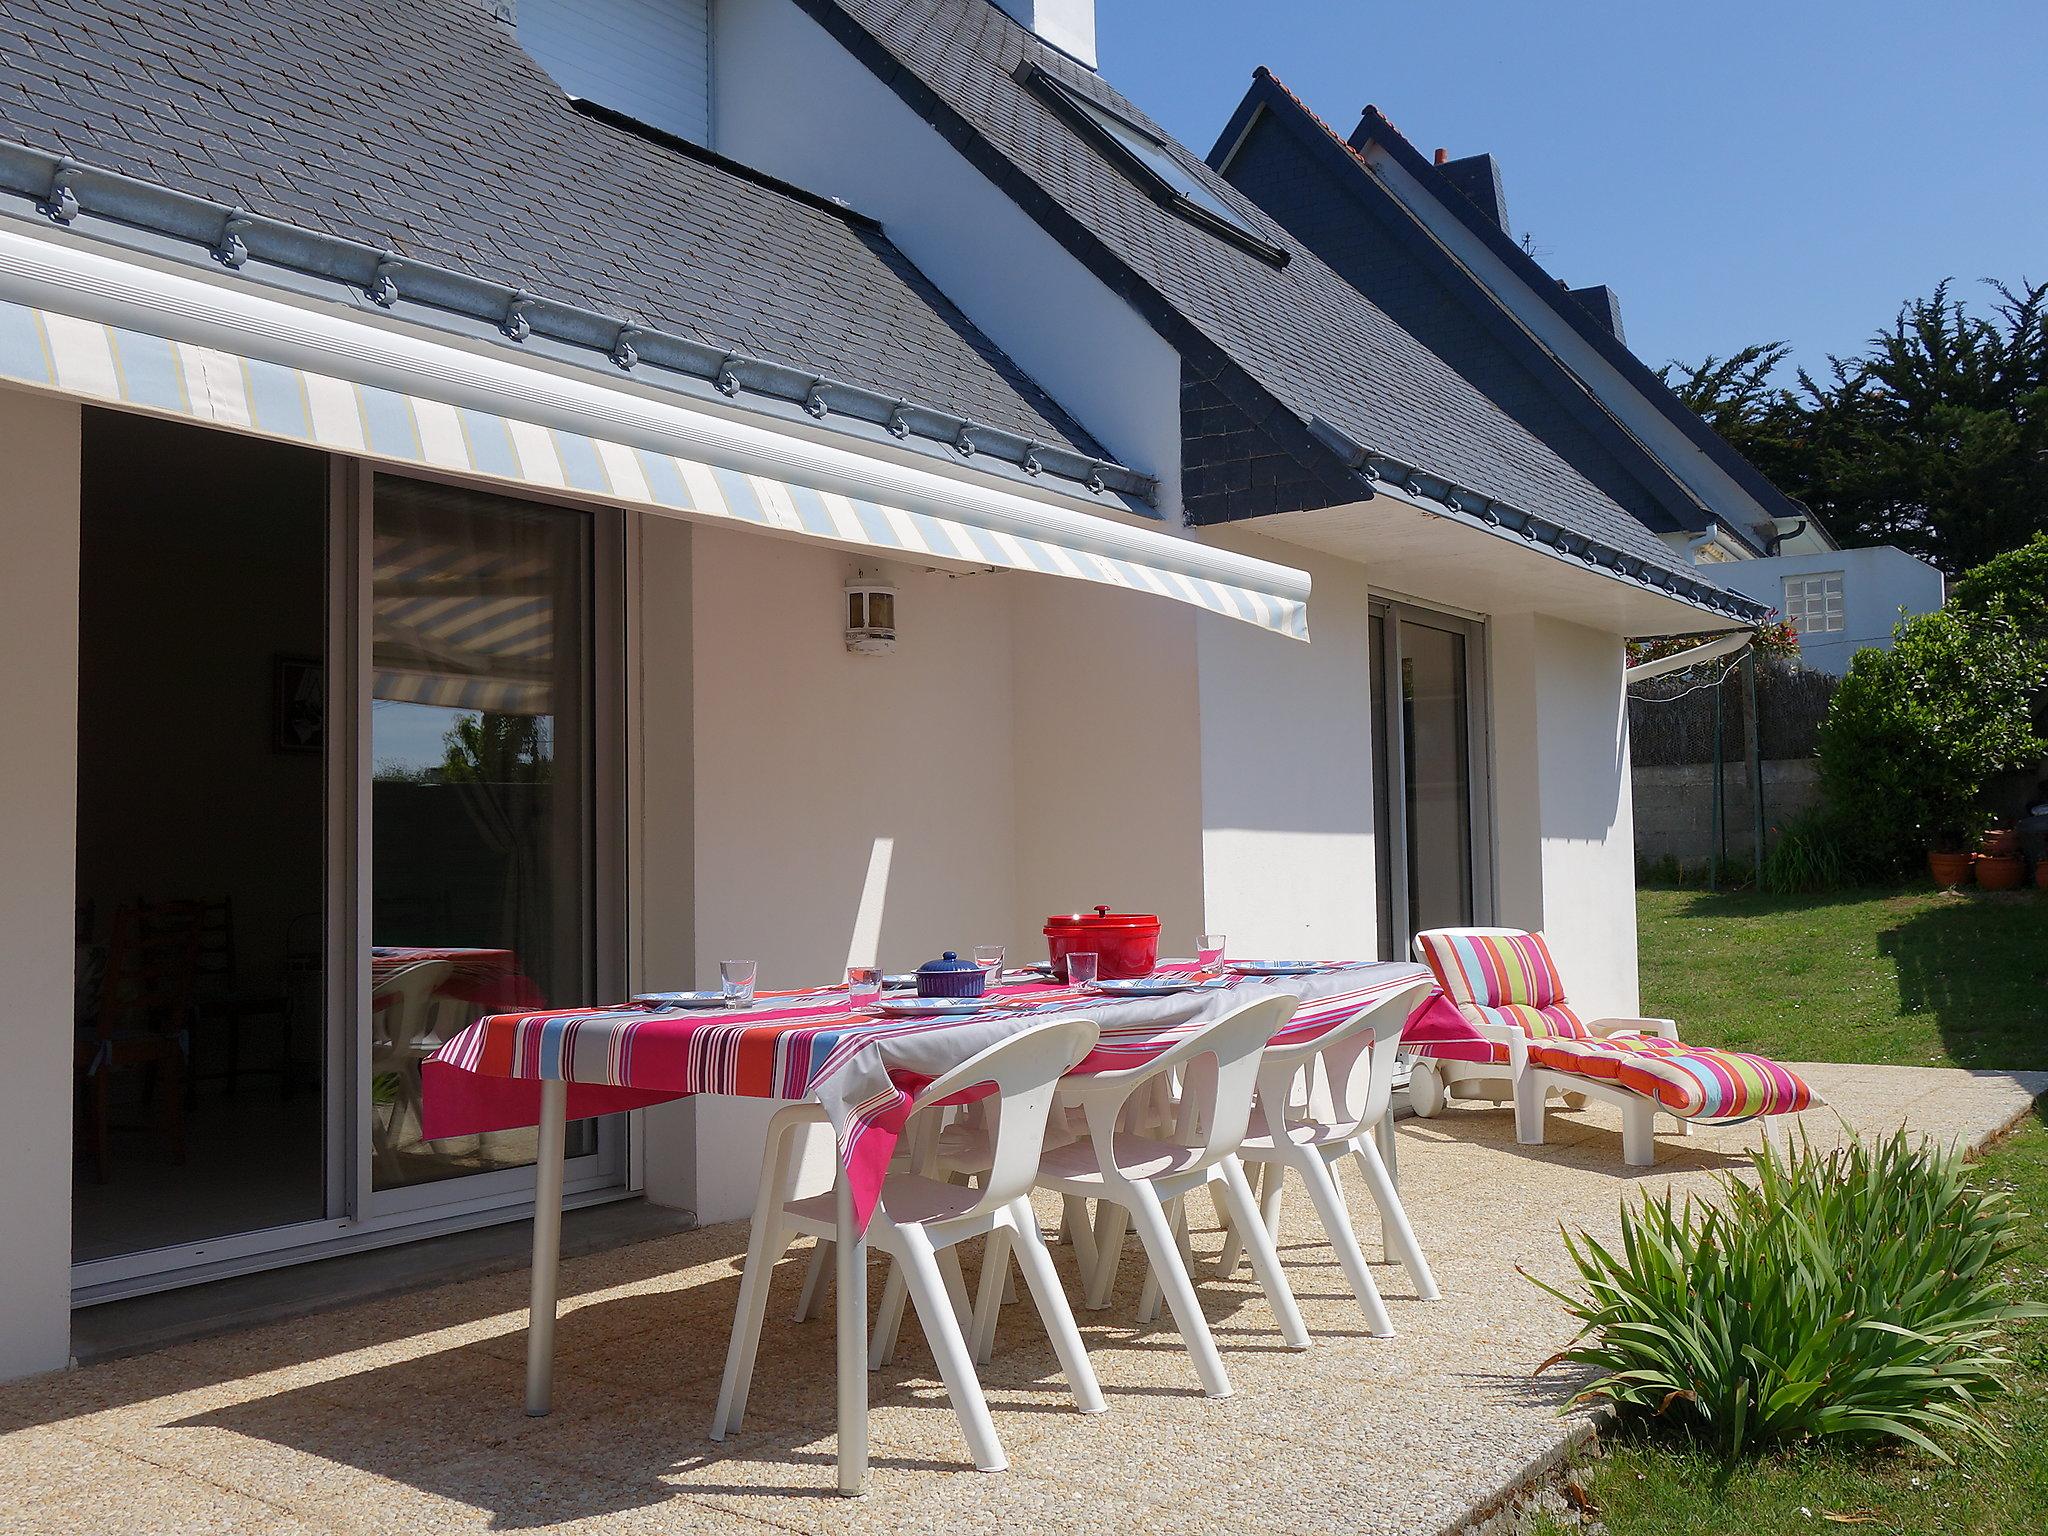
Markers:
{"x": 919, "y": 1218}
{"x": 1142, "y": 1179}
{"x": 401, "y": 1011}
{"x": 1336, "y": 1118}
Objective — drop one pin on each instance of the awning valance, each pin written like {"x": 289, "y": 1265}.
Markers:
{"x": 217, "y": 351}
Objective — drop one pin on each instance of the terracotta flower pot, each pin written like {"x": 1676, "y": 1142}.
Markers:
{"x": 2000, "y": 843}
{"x": 1948, "y": 869}
{"x": 2000, "y": 873}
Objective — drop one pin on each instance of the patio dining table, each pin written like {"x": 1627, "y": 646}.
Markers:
{"x": 861, "y": 1066}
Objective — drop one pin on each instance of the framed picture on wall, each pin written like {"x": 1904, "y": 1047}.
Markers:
{"x": 299, "y": 705}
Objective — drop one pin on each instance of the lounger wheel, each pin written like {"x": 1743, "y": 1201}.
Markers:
{"x": 1574, "y": 1101}
{"x": 1425, "y": 1089}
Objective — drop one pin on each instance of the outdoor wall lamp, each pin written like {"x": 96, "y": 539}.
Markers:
{"x": 870, "y": 617}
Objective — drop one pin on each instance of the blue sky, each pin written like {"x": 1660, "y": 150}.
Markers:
{"x": 1736, "y": 171}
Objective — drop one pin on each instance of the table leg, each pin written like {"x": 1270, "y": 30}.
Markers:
{"x": 851, "y": 1305}
{"x": 1383, "y": 1133}
{"x": 547, "y": 1247}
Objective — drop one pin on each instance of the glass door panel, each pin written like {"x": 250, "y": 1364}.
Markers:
{"x": 481, "y": 877}
{"x": 1429, "y": 800}
{"x": 1436, "y": 777}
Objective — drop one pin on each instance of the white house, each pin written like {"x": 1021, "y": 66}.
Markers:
{"x": 441, "y": 447}
{"x": 1841, "y": 600}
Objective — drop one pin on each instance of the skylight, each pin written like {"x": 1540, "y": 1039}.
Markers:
{"x": 1145, "y": 158}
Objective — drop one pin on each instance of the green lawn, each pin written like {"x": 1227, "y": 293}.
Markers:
{"x": 1920, "y": 977}
{"x": 1913, "y": 978}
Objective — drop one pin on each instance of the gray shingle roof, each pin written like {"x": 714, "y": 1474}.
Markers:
{"x": 422, "y": 126}
{"x": 1309, "y": 339}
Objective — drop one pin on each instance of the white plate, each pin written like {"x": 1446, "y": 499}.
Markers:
{"x": 1272, "y": 967}
{"x": 663, "y": 1002}
{"x": 931, "y": 1007}
{"x": 1151, "y": 986}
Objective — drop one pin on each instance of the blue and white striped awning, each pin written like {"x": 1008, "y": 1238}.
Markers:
{"x": 131, "y": 336}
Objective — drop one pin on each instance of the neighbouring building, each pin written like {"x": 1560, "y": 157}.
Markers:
{"x": 444, "y": 445}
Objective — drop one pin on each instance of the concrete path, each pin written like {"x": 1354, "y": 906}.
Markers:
{"x": 403, "y": 1415}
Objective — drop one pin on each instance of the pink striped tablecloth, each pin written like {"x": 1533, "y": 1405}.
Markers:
{"x": 863, "y": 1068}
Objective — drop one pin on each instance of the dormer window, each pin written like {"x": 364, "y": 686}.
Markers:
{"x": 1148, "y": 161}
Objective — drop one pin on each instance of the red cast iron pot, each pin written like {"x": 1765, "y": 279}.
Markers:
{"x": 1126, "y": 943}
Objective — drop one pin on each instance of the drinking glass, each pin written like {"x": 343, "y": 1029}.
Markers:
{"x": 1080, "y": 967}
{"x": 864, "y": 985}
{"x": 736, "y": 980}
{"x": 990, "y": 958}
{"x": 1211, "y": 949}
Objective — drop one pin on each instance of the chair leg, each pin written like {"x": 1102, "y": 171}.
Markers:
{"x": 1265, "y": 1260}
{"x": 1233, "y": 1245}
{"x": 956, "y": 1285}
{"x": 766, "y": 1240}
{"x": 1528, "y": 1111}
{"x": 1390, "y": 1150}
{"x": 1148, "y": 1293}
{"x": 1401, "y": 1244}
{"x": 1112, "y": 1220}
{"x": 814, "y": 1275}
{"x": 1078, "y": 1229}
{"x": 888, "y": 1319}
{"x": 1329, "y": 1204}
{"x": 1638, "y": 1134}
{"x": 988, "y": 1296}
{"x": 1043, "y": 1281}
{"x": 919, "y": 1265}
{"x": 1149, "y": 1217}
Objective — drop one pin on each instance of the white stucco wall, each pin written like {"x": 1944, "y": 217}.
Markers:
{"x": 1565, "y": 825}
{"x": 38, "y": 806}
{"x": 1287, "y": 811}
{"x": 844, "y": 133}
{"x": 1876, "y": 584}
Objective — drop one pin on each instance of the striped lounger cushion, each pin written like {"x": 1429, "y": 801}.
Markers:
{"x": 1506, "y": 980}
{"x": 1694, "y": 1082}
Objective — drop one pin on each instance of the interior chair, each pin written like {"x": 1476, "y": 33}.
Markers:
{"x": 142, "y": 1020}
{"x": 919, "y": 1218}
{"x": 1347, "y": 1072}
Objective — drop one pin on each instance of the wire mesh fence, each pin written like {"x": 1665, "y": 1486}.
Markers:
{"x": 1671, "y": 719}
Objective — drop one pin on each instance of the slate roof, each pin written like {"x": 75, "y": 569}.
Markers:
{"x": 1289, "y": 161}
{"x": 1299, "y": 336}
{"x": 421, "y": 126}
{"x": 1373, "y": 127}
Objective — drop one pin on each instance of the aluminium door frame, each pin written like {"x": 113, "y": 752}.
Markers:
{"x": 1393, "y": 612}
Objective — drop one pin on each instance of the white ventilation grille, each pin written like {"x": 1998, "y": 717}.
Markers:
{"x": 650, "y": 59}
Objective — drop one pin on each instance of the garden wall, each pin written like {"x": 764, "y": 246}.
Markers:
{"x": 1675, "y": 806}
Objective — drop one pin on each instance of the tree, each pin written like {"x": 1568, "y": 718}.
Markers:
{"x": 2017, "y": 581}
{"x": 1934, "y": 438}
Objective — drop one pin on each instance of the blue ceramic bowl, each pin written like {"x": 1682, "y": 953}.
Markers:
{"x": 950, "y": 976}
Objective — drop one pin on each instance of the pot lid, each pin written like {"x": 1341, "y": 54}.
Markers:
{"x": 1101, "y": 917}
{"x": 949, "y": 961}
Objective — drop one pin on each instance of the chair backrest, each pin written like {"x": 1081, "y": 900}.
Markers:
{"x": 1024, "y": 1070}
{"x": 1501, "y": 977}
{"x": 1219, "y": 1067}
{"x": 152, "y": 966}
{"x": 1357, "y": 1057}
{"x": 407, "y": 994}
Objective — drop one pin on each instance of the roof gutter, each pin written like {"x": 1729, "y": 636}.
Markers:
{"x": 1482, "y": 511}
{"x": 65, "y": 189}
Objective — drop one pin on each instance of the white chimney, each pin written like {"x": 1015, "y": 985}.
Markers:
{"x": 1069, "y": 25}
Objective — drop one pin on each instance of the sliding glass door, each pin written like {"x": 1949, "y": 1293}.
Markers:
{"x": 482, "y": 864}
{"x": 349, "y": 750}
{"x": 1429, "y": 773}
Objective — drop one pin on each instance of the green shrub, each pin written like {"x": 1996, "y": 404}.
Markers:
{"x": 1853, "y": 1293}
{"x": 1915, "y": 734}
{"x": 2017, "y": 581}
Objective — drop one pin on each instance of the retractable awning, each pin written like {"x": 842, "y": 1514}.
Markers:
{"x": 157, "y": 339}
